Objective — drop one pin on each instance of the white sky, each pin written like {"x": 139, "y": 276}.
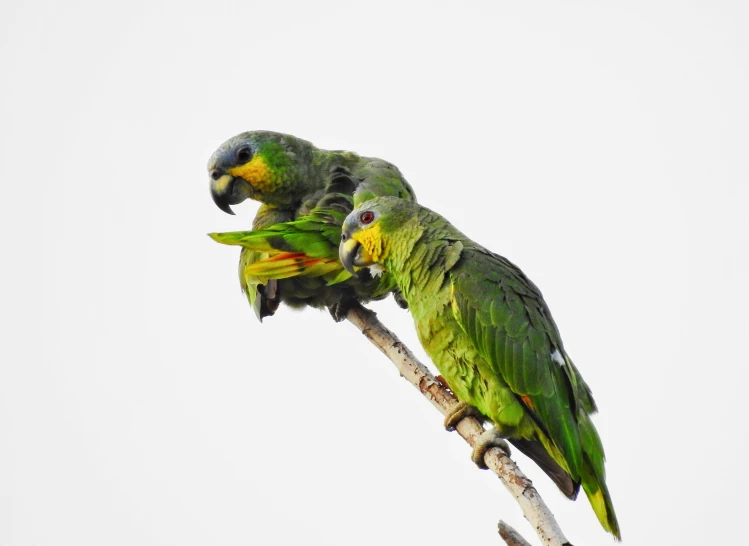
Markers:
{"x": 601, "y": 147}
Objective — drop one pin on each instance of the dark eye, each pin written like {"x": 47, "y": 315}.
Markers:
{"x": 244, "y": 154}
{"x": 366, "y": 217}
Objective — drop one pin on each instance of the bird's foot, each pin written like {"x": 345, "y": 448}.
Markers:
{"x": 340, "y": 309}
{"x": 489, "y": 439}
{"x": 267, "y": 299}
{"x": 458, "y": 412}
{"x": 399, "y": 299}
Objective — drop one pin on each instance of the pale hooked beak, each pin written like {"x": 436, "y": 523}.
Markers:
{"x": 228, "y": 190}
{"x": 352, "y": 254}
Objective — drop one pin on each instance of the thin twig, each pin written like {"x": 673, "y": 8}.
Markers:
{"x": 511, "y": 536}
{"x": 533, "y": 507}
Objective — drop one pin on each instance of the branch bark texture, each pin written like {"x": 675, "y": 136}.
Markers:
{"x": 533, "y": 507}
{"x": 511, "y": 536}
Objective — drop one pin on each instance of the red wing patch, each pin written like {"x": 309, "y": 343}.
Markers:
{"x": 298, "y": 257}
{"x": 291, "y": 264}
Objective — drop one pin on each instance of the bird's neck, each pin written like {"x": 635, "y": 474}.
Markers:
{"x": 420, "y": 261}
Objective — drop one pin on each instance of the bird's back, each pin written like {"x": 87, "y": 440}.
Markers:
{"x": 351, "y": 179}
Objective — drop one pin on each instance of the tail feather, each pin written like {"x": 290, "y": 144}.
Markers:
{"x": 594, "y": 475}
{"x": 600, "y": 500}
{"x": 538, "y": 454}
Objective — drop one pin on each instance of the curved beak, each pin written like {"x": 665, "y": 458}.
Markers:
{"x": 228, "y": 190}
{"x": 353, "y": 254}
{"x": 347, "y": 253}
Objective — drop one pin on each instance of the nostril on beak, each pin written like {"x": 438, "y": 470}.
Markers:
{"x": 216, "y": 174}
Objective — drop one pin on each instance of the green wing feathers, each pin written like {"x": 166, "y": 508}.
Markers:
{"x": 287, "y": 264}
{"x": 317, "y": 235}
{"x": 308, "y": 247}
{"x": 304, "y": 250}
{"x": 507, "y": 320}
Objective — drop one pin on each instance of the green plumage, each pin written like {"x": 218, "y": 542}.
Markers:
{"x": 492, "y": 337}
{"x": 306, "y": 193}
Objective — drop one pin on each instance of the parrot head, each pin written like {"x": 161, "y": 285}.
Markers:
{"x": 269, "y": 167}
{"x": 372, "y": 229}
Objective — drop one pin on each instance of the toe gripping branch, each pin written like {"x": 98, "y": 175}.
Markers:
{"x": 489, "y": 439}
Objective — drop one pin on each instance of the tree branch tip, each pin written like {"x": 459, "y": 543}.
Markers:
{"x": 510, "y": 535}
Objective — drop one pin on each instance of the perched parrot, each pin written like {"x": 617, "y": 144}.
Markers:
{"x": 291, "y": 255}
{"x": 489, "y": 332}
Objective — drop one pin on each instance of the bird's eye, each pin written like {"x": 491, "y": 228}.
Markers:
{"x": 366, "y": 217}
{"x": 244, "y": 154}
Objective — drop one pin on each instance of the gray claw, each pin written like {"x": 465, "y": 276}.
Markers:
{"x": 489, "y": 439}
{"x": 339, "y": 310}
{"x": 460, "y": 411}
{"x": 399, "y": 299}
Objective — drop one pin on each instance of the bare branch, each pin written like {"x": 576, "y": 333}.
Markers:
{"x": 511, "y": 536}
{"x": 521, "y": 488}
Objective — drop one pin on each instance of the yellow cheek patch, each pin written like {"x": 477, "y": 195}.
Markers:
{"x": 257, "y": 173}
{"x": 371, "y": 239}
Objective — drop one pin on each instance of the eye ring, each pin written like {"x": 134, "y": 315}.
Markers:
{"x": 244, "y": 154}
{"x": 366, "y": 217}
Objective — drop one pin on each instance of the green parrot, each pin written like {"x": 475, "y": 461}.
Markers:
{"x": 291, "y": 255}
{"x": 490, "y": 334}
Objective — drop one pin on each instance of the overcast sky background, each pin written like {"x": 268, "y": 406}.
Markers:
{"x": 601, "y": 147}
